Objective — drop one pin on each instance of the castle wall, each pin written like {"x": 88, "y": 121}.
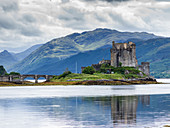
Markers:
{"x": 96, "y": 66}
{"x": 124, "y": 57}
{"x": 4, "y": 78}
{"x": 105, "y": 62}
{"x": 145, "y": 68}
{"x": 124, "y": 53}
{"x": 114, "y": 58}
{"x": 134, "y": 61}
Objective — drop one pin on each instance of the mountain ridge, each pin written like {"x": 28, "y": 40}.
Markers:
{"x": 21, "y": 55}
{"x": 7, "y": 59}
{"x": 94, "y": 56}
{"x": 64, "y": 47}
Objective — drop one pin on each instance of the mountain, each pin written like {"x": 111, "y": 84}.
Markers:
{"x": 82, "y": 59}
{"x": 64, "y": 47}
{"x": 20, "y": 56}
{"x": 155, "y": 51}
{"x": 7, "y": 59}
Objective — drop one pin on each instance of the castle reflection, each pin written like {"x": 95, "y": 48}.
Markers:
{"x": 123, "y": 109}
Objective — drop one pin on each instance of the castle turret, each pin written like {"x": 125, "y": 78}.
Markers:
{"x": 114, "y": 55}
{"x": 134, "y": 60}
{"x": 146, "y": 68}
{"x": 113, "y": 44}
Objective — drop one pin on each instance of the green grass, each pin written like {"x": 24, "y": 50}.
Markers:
{"x": 119, "y": 73}
{"x": 95, "y": 76}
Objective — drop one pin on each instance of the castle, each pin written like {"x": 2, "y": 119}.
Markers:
{"x": 124, "y": 54}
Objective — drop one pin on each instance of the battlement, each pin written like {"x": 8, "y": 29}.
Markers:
{"x": 119, "y": 46}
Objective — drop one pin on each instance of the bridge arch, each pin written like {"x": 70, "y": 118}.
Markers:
{"x": 36, "y": 77}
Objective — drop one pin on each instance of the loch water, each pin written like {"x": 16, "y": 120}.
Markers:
{"x": 134, "y": 106}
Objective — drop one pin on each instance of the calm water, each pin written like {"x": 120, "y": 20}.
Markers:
{"x": 139, "y": 106}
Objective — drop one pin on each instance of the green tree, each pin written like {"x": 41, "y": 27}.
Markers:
{"x": 64, "y": 74}
{"x": 89, "y": 70}
{"x": 2, "y": 70}
{"x": 14, "y": 73}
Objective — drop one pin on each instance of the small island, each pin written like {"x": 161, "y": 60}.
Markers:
{"x": 122, "y": 69}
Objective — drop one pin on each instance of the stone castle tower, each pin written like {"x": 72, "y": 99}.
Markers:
{"x": 123, "y": 53}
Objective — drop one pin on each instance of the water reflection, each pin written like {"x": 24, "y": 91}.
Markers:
{"x": 123, "y": 109}
{"x": 145, "y": 100}
{"x": 100, "y": 112}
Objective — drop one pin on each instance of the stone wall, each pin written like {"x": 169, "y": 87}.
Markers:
{"x": 145, "y": 68}
{"x": 124, "y": 53}
{"x": 105, "y": 62}
{"x": 96, "y": 66}
{"x": 4, "y": 78}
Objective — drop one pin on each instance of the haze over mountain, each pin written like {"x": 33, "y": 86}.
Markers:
{"x": 20, "y": 56}
{"x": 61, "y": 48}
{"x": 7, "y": 59}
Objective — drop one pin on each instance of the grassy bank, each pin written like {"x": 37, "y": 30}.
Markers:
{"x": 103, "y": 82}
{"x": 90, "y": 82}
{"x": 68, "y": 78}
{"x": 84, "y": 77}
{"x": 106, "y": 72}
{"x": 25, "y": 83}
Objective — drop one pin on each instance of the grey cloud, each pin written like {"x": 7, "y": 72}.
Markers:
{"x": 65, "y": 1}
{"x": 111, "y": 1}
{"x": 48, "y": 20}
{"x": 11, "y": 23}
{"x": 72, "y": 14}
{"x": 28, "y": 18}
{"x": 107, "y": 0}
{"x": 115, "y": 0}
{"x": 72, "y": 17}
{"x": 9, "y": 5}
{"x": 30, "y": 31}
{"x": 7, "y": 22}
{"x": 99, "y": 18}
{"x": 121, "y": 23}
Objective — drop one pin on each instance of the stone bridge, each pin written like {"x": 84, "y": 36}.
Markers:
{"x": 13, "y": 78}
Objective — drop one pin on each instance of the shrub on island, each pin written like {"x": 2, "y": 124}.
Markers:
{"x": 66, "y": 73}
{"x": 12, "y": 73}
{"x": 88, "y": 70}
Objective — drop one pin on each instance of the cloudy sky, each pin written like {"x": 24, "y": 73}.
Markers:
{"x": 24, "y": 23}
